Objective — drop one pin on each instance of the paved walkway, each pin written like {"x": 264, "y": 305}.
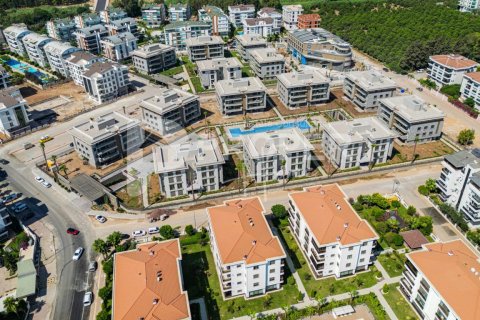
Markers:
{"x": 203, "y": 308}
{"x": 278, "y": 113}
{"x": 188, "y": 78}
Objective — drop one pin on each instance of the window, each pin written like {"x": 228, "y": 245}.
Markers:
{"x": 363, "y": 251}
{"x": 239, "y": 274}
{"x": 272, "y": 270}
{"x": 255, "y": 276}
{"x": 271, "y": 279}
{"x": 349, "y": 256}
{"x": 256, "y": 284}
{"x": 255, "y": 268}
{"x": 348, "y": 265}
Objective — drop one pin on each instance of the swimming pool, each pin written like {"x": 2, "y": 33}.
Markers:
{"x": 23, "y": 67}
{"x": 302, "y": 125}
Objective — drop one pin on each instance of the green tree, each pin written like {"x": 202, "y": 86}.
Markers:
{"x": 101, "y": 246}
{"x": 105, "y": 293}
{"x": 279, "y": 211}
{"x": 104, "y": 314}
{"x": 466, "y": 137}
{"x": 422, "y": 223}
{"x": 189, "y": 230}
{"x": 393, "y": 225}
{"x": 10, "y": 305}
{"x": 167, "y": 232}
{"x": 114, "y": 238}
{"x": 470, "y": 102}
{"x": 431, "y": 185}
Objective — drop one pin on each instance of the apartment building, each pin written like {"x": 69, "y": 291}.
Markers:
{"x": 61, "y": 29}
{"x": 304, "y": 88}
{"x": 308, "y": 21}
{"x": 123, "y": 25}
{"x": 449, "y": 69}
{"x": 5, "y": 223}
{"x": 331, "y": 235}
{"x": 89, "y": 38}
{"x": 105, "y": 81}
{"x": 13, "y": 111}
{"x": 290, "y": 16}
{"x": 4, "y": 78}
{"x": 240, "y": 12}
{"x": 87, "y": 20}
{"x": 412, "y": 118}
{"x": 459, "y": 183}
{"x": 360, "y": 142}
{"x": 179, "y": 12}
{"x": 249, "y": 259}
{"x": 170, "y": 110}
{"x": 57, "y": 53}
{"x": 211, "y": 71}
{"x": 119, "y": 47}
{"x": 205, "y": 47}
{"x": 441, "y": 281}
{"x": 148, "y": 283}
{"x": 189, "y": 166}
{"x": 320, "y": 48}
{"x": 468, "y": 5}
{"x": 239, "y": 96}
{"x": 267, "y": 63}
{"x": 154, "y": 15}
{"x": 154, "y": 58}
{"x": 112, "y": 14}
{"x": 366, "y": 88}
{"x": 14, "y": 36}
{"x": 277, "y": 155}
{"x": 35, "y": 46}
{"x": 175, "y": 34}
{"x": 261, "y": 26}
{"x": 470, "y": 87}
{"x": 247, "y": 42}
{"x": 218, "y": 19}
{"x": 269, "y": 12}
{"x": 107, "y": 138}
{"x": 78, "y": 63}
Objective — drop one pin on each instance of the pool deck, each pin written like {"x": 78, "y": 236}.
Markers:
{"x": 27, "y": 66}
{"x": 257, "y": 125}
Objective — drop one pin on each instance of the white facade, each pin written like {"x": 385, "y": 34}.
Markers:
{"x": 35, "y": 46}
{"x": 470, "y": 87}
{"x": 449, "y": 69}
{"x": 218, "y": 19}
{"x": 57, "y": 53}
{"x": 290, "y": 15}
{"x": 205, "y": 47}
{"x": 241, "y": 95}
{"x": 274, "y": 14}
{"x": 4, "y": 78}
{"x": 239, "y": 13}
{"x": 119, "y": 47}
{"x": 468, "y": 5}
{"x": 175, "y": 34}
{"x": 78, "y": 63}
{"x": 14, "y": 36}
{"x": 13, "y": 111}
{"x": 211, "y": 71}
{"x": 260, "y": 26}
{"x": 104, "y": 81}
{"x": 179, "y": 12}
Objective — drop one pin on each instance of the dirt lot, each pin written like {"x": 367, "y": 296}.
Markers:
{"x": 69, "y": 89}
{"x": 215, "y": 117}
{"x": 403, "y": 153}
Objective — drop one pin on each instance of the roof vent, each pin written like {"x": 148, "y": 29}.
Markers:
{"x": 254, "y": 242}
{"x": 338, "y": 238}
{"x": 338, "y": 207}
{"x": 245, "y": 257}
{"x": 472, "y": 270}
{"x": 152, "y": 252}
{"x": 450, "y": 253}
{"x": 345, "y": 225}
{"x": 155, "y": 301}
{"x": 252, "y": 224}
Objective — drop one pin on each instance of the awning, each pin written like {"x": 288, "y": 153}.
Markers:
{"x": 87, "y": 187}
{"x": 342, "y": 311}
{"x": 26, "y": 279}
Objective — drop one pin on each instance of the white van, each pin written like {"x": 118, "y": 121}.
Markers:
{"x": 87, "y": 299}
{"x": 153, "y": 230}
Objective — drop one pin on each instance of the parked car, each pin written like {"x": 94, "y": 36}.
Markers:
{"x": 153, "y": 230}
{"x": 39, "y": 179}
{"x": 10, "y": 197}
{"x": 163, "y": 217}
{"x": 101, "y": 219}
{"x": 87, "y": 298}
{"x": 28, "y": 145}
{"x": 3, "y": 161}
{"x": 73, "y": 231}
{"x": 139, "y": 233}
{"x": 92, "y": 266}
{"x": 45, "y": 138}
{"x": 77, "y": 254}
{"x": 46, "y": 184}
{"x": 19, "y": 207}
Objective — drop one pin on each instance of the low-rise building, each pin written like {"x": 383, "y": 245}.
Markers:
{"x": 239, "y": 96}
{"x": 366, "y": 88}
{"x": 57, "y": 53}
{"x": 304, "y": 88}
{"x": 13, "y": 111}
{"x": 321, "y": 48}
{"x": 412, "y": 118}
{"x": 154, "y": 15}
{"x": 238, "y": 13}
{"x": 154, "y": 58}
{"x": 247, "y": 42}
{"x": 449, "y": 68}
{"x": 268, "y": 12}
{"x": 175, "y": 34}
{"x": 87, "y": 20}
{"x": 249, "y": 259}
{"x": 112, "y": 14}
{"x": 123, "y": 25}
{"x": 78, "y": 63}
{"x": 205, "y": 47}
{"x": 61, "y": 29}
{"x": 89, "y": 38}
{"x": 354, "y": 143}
{"x": 459, "y": 183}
{"x": 179, "y": 12}
{"x": 308, "y": 21}
{"x": 190, "y": 165}
{"x": 277, "y": 155}
{"x": 211, "y": 71}
{"x": 148, "y": 283}
{"x": 260, "y": 26}
{"x": 170, "y": 110}
{"x": 119, "y": 47}
{"x": 290, "y": 14}
{"x": 468, "y": 5}
{"x": 105, "y": 81}
{"x": 4, "y": 78}
{"x": 331, "y": 235}
{"x": 14, "y": 36}
{"x": 110, "y": 137}
{"x": 35, "y": 46}
{"x": 218, "y": 19}
{"x": 470, "y": 87}
{"x": 437, "y": 278}
{"x": 5, "y": 223}
{"x": 267, "y": 63}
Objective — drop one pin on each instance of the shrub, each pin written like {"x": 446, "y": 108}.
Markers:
{"x": 423, "y": 190}
{"x": 291, "y": 281}
{"x": 189, "y": 230}
{"x": 167, "y": 232}
{"x": 393, "y": 239}
{"x": 411, "y": 210}
{"x": 358, "y": 206}
{"x": 279, "y": 211}
{"x": 396, "y": 204}
{"x": 381, "y": 227}
{"x": 466, "y": 137}
{"x": 385, "y": 288}
{"x": 423, "y": 223}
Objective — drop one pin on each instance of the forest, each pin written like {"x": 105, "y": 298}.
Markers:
{"x": 9, "y": 4}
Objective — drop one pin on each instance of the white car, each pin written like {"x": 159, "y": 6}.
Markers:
{"x": 101, "y": 219}
{"x": 87, "y": 298}
{"x": 46, "y": 184}
{"x": 153, "y": 230}
{"x": 77, "y": 254}
{"x": 139, "y": 233}
{"x": 39, "y": 179}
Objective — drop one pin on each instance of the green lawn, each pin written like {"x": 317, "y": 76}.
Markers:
{"x": 197, "y": 84}
{"x": 172, "y": 71}
{"x": 329, "y": 286}
{"x": 201, "y": 280}
{"x": 190, "y": 66}
{"x": 399, "y": 305}
{"x": 393, "y": 263}
{"x": 247, "y": 71}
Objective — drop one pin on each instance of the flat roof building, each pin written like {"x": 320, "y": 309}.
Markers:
{"x": 267, "y": 63}
{"x": 238, "y": 13}
{"x": 449, "y": 69}
{"x": 304, "y": 88}
{"x": 119, "y": 46}
{"x": 87, "y": 20}
{"x": 105, "y": 81}
{"x": 57, "y": 53}
{"x": 13, "y": 111}
{"x": 123, "y": 25}
{"x": 89, "y": 38}
{"x": 261, "y": 26}
{"x": 154, "y": 58}
{"x": 61, "y": 29}
{"x": 175, "y": 34}
{"x": 308, "y": 21}
{"x": 179, "y": 12}
{"x": 241, "y": 95}
{"x": 247, "y": 42}
{"x": 78, "y": 62}
{"x": 211, "y": 71}
{"x": 205, "y": 47}
{"x": 290, "y": 15}
{"x": 154, "y": 15}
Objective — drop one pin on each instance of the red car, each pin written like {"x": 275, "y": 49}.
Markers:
{"x": 73, "y": 231}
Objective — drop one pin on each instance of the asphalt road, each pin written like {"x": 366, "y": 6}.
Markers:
{"x": 72, "y": 276}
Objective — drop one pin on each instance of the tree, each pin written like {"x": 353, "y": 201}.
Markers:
{"x": 422, "y": 223}
{"x": 279, "y": 211}
{"x": 63, "y": 168}
{"x": 393, "y": 239}
{"x": 104, "y": 314}
{"x": 470, "y": 102}
{"x": 431, "y": 185}
{"x": 240, "y": 167}
{"x": 10, "y": 305}
{"x": 114, "y": 238}
{"x": 466, "y": 137}
{"x": 167, "y": 232}
{"x": 101, "y": 246}
{"x": 189, "y": 230}
{"x": 393, "y": 224}
{"x": 106, "y": 292}
{"x": 10, "y": 259}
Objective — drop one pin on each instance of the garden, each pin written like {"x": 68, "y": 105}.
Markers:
{"x": 393, "y": 263}
{"x": 397, "y": 302}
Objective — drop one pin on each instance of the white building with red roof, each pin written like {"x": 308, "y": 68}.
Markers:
{"x": 449, "y": 68}
{"x": 470, "y": 87}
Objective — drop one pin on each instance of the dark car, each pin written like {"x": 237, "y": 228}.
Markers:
{"x": 73, "y": 231}
{"x": 3, "y": 161}
{"x": 11, "y": 197}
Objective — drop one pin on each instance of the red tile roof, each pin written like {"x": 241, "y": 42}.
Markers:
{"x": 454, "y": 61}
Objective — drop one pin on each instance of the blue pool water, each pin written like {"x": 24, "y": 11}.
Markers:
{"x": 302, "y": 125}
{"x": 23, "y": 67}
